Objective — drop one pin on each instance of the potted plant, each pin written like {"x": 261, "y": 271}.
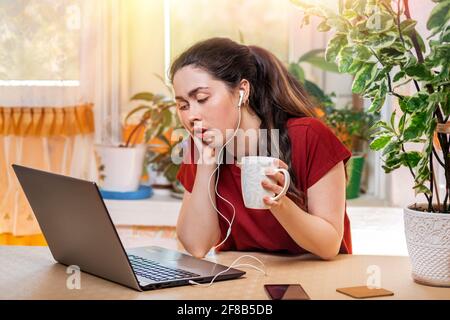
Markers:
{"x": 353, "y": 128}
{"x": 120, "y": 167}
{"x": 157, "y": 120}
{"x": 376, "y": 41}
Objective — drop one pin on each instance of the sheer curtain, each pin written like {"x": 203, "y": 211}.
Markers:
{"x": 58, "y": 78}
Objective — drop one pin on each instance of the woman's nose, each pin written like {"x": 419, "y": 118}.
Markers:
{"x": 194, "y": 114}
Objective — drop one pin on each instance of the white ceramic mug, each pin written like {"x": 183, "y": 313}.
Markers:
{"x": 253, "y": 172}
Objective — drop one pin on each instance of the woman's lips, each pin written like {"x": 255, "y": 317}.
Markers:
{"x": 200, "y": 132}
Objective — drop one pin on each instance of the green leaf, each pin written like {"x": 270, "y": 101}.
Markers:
{"x": 439, "y": 15}
{"x": 379, "y": 22}
{"x": 355, "y": 66}
{"x": 323, "y": 26}
{"x": 407, "y": 25}
{"x": 358, "y": 6}
{"x": 380, "y": 142}
{"x": 355, "y": 35}
{"x": 419, "y": 72}
{"x": 392, "y": 147}
{"x": 297, "y": 72}
{"x": 411, "y": 59}
{"x": 334, "y": 46}
{"x": 401, "y": 124}
{"x": 422, "y": 189}
{"x": 438, "y": 97}
{"x": 393, "y": 115}
{"x": 417, "y": 126}
{"x": 415, "y": 103}
{"x": 411, "y": 158}
{"x": 339, "y": 23}
{"x": 398, "y": 76}
{"x": 167, "y": 118}
{"x": 382, "y": 40}
{"x": 379, "y": 98}
{"x": 393, "y": 161}
{"x": 349, "y": 14}
{"x": 311, "y": 54}
{"x": 315, "y": 91}
{"x": 365, "y": 74}
{"x": 345, "y": 59}
{"x": 361, "y": 52}
{"x": 316, "y": 58}
{"x": 381, "y": 124}
{"x": 147, "y": 96}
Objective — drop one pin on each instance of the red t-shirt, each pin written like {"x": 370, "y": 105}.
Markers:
{"x": 315, "y": 150}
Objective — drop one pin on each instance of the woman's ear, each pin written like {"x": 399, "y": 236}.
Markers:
{"x": 245, "y": 87}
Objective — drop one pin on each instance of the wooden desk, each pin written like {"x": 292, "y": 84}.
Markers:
{"x": 31, "y": 273}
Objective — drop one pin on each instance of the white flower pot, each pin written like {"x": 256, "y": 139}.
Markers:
{"x": 428, "y": 241}
{"x": 122, "y": 167}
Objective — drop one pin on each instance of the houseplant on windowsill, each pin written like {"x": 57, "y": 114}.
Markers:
{"x": 119, "y": 166}
{"x": 157, "y": 121}
{"x": 377, "y": 42}
{"x": 353, "y": 128}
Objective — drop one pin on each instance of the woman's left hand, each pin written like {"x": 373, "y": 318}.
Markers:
{"x": 274, "y": 183}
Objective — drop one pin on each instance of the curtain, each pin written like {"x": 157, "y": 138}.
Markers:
{"x": 59, "y": 140}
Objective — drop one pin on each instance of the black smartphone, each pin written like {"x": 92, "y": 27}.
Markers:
{"x": 286, "y": 292}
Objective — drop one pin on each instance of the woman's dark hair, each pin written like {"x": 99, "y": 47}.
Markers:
{"x": 275, "y": 95}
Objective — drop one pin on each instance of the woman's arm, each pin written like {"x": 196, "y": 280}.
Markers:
{"x": 198, "y": 226}
{"x": 321, "y": 230}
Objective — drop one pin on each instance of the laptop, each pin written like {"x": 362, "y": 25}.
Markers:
{"x": 79, "y": 231}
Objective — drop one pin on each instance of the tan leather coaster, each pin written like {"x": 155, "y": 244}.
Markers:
{"x": 365, "y": 292}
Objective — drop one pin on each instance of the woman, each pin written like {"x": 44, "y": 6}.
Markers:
{"x": 311, "y": 217}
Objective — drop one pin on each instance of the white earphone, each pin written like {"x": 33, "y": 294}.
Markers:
{"x": 241, "y": 97}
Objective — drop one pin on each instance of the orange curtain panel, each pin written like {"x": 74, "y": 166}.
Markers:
{"x": 56, "y": 139}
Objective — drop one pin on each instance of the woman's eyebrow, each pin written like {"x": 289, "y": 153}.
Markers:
{"x": 191, "y": 93}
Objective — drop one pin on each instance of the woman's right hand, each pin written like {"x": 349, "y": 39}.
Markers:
{"x": 207, "y": 153}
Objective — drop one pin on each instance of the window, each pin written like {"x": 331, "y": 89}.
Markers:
{"x": 40, "y": 43}
{"x": 195, "y": 20}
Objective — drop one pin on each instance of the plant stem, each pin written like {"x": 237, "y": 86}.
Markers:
{"x": 133, "y": 132}
{"x": 430, "y": 200}
{"x": 390, "y": 90}
{"x": 437, "y": 193}
{"x": 413, "y": 34}
{"x": 437, "y": 158}
{"x": 398, "y": 23}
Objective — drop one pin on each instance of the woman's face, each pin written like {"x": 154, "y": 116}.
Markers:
{"x": 204, "y": 103}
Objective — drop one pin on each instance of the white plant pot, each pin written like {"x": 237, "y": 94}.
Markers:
{"x": 122, "y": 167}
{"x": 428, "y": 241}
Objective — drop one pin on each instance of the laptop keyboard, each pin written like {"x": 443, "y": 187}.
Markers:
{"x": 154, "y": 271}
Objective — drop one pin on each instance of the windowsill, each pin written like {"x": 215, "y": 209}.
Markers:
{"x": 159, "y": 210}
{"x": 162, "y": 209}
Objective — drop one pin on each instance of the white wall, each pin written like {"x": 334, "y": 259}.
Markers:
{"x": 145, "y": 30}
